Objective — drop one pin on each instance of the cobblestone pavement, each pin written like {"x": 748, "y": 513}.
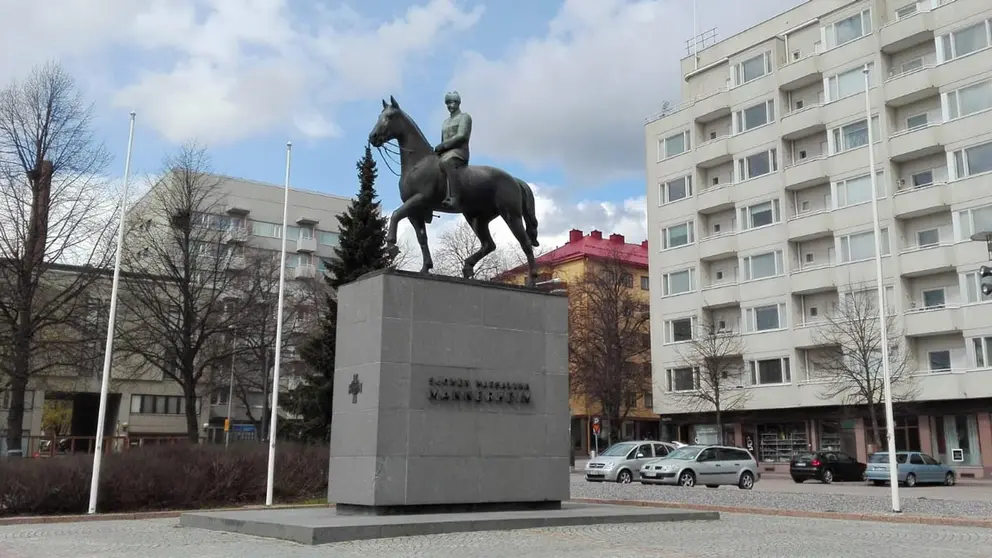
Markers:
{"x": 815, "y": 497}
{"x": 734, "y": 536}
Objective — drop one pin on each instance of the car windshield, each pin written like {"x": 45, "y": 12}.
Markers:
{"x": 805, "y": 457}
{"x": 617, "y": 450}
{"x": 686, "y": 452}
{"x": 884, "y": 458}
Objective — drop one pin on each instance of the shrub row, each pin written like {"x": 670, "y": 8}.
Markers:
{"x": 170, "y": 477}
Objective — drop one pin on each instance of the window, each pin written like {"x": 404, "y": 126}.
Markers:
{"x": 219, "y": 396}
{"x": 847, "y": 30}
{"x": 851, "y": 136}
{"x": 963, "y": 41}
{"x": 755, "y": 116}
{"x": 674, "y": 145}
{"x": 861, "y": 246}
{"x": 850, "y": 82}
{"x": 675, "y": 190}
{"x": 271, "y": 230}
{"x": 679, "y": 330}
{"x": 756, "y": 165}
{"x": 869, "y": 298}
{"x": 630, "y": 400}
{"x": 929, "y": 237}
{"x": 158, "y": 404}
{"x": 969, "y": 221}
{"x": 760, "y": 215}
{"x": 762, "y": 265}
{"x": 681, "y": 379}
{"x": 627, "y": 280}
{"x": 933, "y": 298}
{"x": 770, "y": 371}
{"x": 645, "y": 283}
{"x": 764, "y": 318}
{"x": 752, "y": 68}
{"x": 973, "y": 160}
{"x": 983, "y": 351}
{"x": 327, "y": 238}
{"x": 968, "y": 100}
{"x": 679, "y": 282}
{"x": 649, "y": 404}
{"x": 906, "y": 11}
{"x": 678, "y": 235}
{"x": 922, "y": 178}
{"x": 854, "y": 191}
{"x": 940, "y": 361}
{"x": 28, "y": 399}
{"x": 917, "y": 121}
{"x": 972, "y": 288}
{"x": 955, "y": 432}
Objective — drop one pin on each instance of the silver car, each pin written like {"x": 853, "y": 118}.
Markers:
{"x": 712, "y": 466}
{"x": 621, "y": 462}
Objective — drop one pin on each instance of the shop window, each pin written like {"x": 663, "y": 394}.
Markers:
{"x": 955, "y": 432}
{"x": 779, "y": 442}
{"x": 907, "y": 434}
{"x": 838, "y": 436}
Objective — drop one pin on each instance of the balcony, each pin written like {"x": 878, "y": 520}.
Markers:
{"x": 802, "y": 122}
{"x": 907, "y": 32}
{"x": 808, "y": 335}
{"x": 810, "y": 225}
{"x": 956, "y": 384}
{"x": 976, "y": 316}
{"x": 237, "y": 262}
{"x": 710, "y": 106}
{"x": 717, "y": 246}
{"x": 716, "y": 198}
{"x": 806, "y": 173}
{"x": 912, "y": 85}
{"x": 915, "y": 202}
{"x": 926, "y": 260}
{"x": 813, "y": 279}
{"x": 236, "y": 235}
{"x": 304, "y": 272}
{"x": 306, "y": 245}
{"x": 915, "y": 143}
{"x": 800, "y": 73}
{"x": 851, "y": 160}
{"x": 721, "y": 295}
{"x": 922, "y": 322}
{"x": 713, "y": 152}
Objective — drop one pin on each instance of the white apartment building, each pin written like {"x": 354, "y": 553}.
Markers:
{"x": 152, "y": 406}
{"x": 759, "y": 189}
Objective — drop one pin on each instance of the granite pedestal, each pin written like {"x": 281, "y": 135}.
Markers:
{"x": 450, "y": 395}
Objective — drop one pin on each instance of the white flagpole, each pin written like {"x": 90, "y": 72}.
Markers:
{"x": 109, "y": 347}
{"x": 274, "y": 417}
{"x": 882, "y": 308}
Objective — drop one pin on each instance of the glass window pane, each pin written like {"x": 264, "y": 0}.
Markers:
{"x": 862, "y": 246}
{"x": 753, "y": 68}
{"x": 855, "y": 135}
{"x": 761, "y": 214}
{"x": 766, "y": 317}
{"x": 940, "y": 360}
{"x": 755, "y": 116}
{"x": 970, "y": 39}
{"x": 136, "y": 404}
{"x": 682, "y": 330}
{"x": 849, "y": 29}
{"x": 757, "y": 164}
{"x": 979, "y": 158}
{"x": 982, "y": 218}
{"x": 763, "y": 265}
{"x": 676, "y": 189}
{"x": 975, "y": 98}
{"x": 674, "y": 145}
{"x": 850, "y": 82}
{"x": 858, "y": 190}
{"x": 679, "y": 282}
{"x": 678, "y": 235}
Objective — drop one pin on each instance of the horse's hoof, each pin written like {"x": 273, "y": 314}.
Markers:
{"x": 467, "y": 273}
{"x": 426, "y": 270}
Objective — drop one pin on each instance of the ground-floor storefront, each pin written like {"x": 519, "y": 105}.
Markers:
{"x": 585, "y": 440}
{"x": 958, "y": 433}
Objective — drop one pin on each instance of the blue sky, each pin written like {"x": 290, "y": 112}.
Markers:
{"x": 558, "y": 90}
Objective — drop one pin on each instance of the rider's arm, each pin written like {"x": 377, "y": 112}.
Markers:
{"x": 462, "y": 136}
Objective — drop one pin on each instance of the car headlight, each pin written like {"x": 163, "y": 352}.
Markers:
{"x": 609, "y": 465}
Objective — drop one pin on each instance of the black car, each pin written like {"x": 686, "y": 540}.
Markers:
{"x": 826, "y": 466}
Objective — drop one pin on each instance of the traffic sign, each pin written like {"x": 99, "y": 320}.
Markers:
{"x": 595, "y": 425}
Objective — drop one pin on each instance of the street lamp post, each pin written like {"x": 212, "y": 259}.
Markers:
{"x": 230, "y": 388}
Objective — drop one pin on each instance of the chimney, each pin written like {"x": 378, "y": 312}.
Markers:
{"x": 644, "y": 244}
{"x": 616, "y": 238}
{"x": 574, "y": 235}
{"x": 598, "y": 235}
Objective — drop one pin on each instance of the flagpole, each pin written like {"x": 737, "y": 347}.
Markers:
{"x": 109, "y": 346}
{"x": 882, "y": 307}
{"x": 274, "y": 417}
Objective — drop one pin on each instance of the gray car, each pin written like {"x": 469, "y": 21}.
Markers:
{"x": 712, "y": 466}
{"x": 621, "y": 462}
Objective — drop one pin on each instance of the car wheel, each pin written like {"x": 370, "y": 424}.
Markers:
{"x": 878, "y": 483}
{"x": 625, "y": 477}
{"x": 797, "y": 480}
{"x": 687, "y": 479}
{"x": 827, "y": 477}
{"x": 746, "y": 482}
{"x": 910, "y": 480}
{"x": 949, "y": 479}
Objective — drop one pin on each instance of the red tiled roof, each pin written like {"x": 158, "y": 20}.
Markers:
{"x": 594, "y": 246}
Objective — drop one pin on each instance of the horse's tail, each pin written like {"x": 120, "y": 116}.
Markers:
{"x": 530, "y": 215}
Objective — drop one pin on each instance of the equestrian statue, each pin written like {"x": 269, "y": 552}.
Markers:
{"x": 439, "y": 179}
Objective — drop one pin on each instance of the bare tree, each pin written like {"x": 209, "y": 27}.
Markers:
{"x": 186, "y": 288}
{"x": 457, "y": 243}
{"x": 711, "y": 363}
{"x": 53, "y": 210}
{"x": 608, "y": 340}
{"x": 849, "y": 361}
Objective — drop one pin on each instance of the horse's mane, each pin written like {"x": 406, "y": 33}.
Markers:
{"x": 416, "y": 127}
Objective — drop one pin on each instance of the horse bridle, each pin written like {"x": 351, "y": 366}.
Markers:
{"x": 387, "y": 149}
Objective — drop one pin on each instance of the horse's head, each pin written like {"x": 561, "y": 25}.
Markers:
{"x": 390, "y": 125}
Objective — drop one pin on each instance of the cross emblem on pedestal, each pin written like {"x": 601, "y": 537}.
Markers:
{"x": 355, "y": 388}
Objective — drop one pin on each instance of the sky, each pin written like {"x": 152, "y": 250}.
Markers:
{"x": 558, "y": 90}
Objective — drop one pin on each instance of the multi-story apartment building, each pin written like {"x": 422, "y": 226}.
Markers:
{"x": 144, "y": 405}
{"x": 567, "y": 264}
{"x": 759, "y": 189}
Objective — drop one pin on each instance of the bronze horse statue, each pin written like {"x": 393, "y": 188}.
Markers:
{"x": 484, "y": 193}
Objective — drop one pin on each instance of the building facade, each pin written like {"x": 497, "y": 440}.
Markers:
{"x": 145, "y": 406}
{"x": 759, "y": 188}
{"x": 567, "y": 264}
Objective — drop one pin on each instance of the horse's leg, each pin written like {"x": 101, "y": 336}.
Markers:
{"x": 480, "y": 225}
{"x": 401, "y": 212}
{"x": 516, "y": 224}
{"x": 420, "y": 227}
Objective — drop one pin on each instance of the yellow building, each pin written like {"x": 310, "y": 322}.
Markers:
{"x": 566, "y": 264}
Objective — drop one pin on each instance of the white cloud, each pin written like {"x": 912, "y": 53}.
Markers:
{"x": 577, "y": 97}
{"x": 223, "y": 70}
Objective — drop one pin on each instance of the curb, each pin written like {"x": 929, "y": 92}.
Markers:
{"x": 880, "y": 518}
{"x": 129, "y": 516}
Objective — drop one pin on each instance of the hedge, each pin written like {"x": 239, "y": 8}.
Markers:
{"x": 174, "y": 477}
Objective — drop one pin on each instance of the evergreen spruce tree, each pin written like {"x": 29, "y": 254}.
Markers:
{"x": 361, "y": 249}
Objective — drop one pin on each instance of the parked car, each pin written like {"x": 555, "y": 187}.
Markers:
{"x": 712, "y": 466}
{"x": 621, "y": 462}
{"x": 912, "y": 468}
{"x": 826, "y": 466}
